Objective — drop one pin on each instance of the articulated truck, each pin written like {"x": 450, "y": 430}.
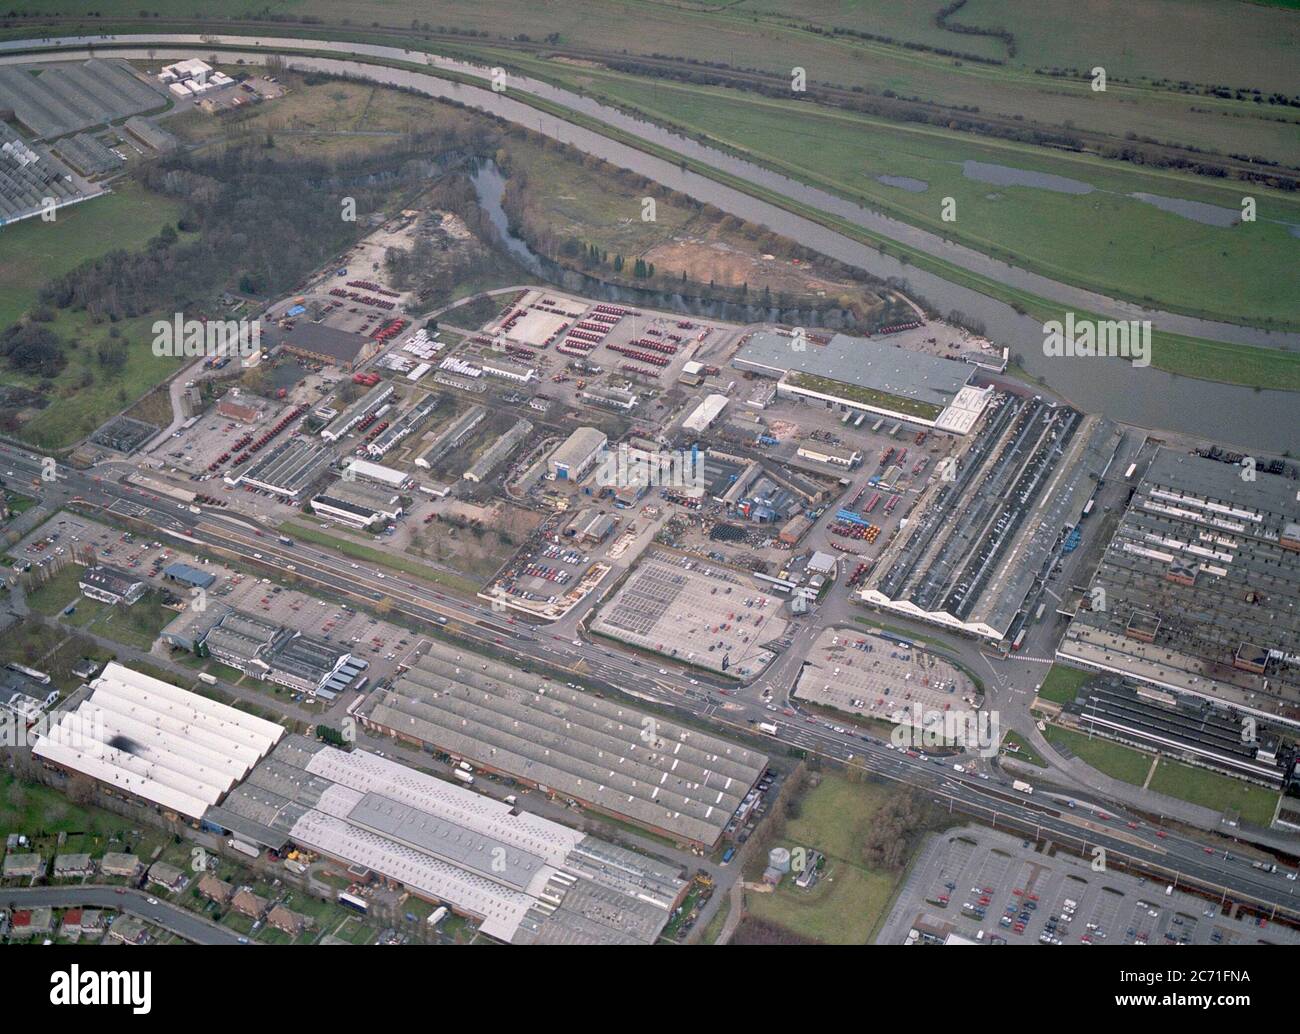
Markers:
{"x": 1022, "y": 786}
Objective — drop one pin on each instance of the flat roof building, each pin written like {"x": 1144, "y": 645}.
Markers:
{"x": 388, "y": 477}
{"x": 187, "y": 574}
{"x": 703, "y": 415}
{"x": 328, "y": 345}
{"x": 856, "y": 373}
{"x": 1201, "y": 583}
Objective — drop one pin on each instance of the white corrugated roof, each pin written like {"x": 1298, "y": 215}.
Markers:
{"x": 160, "y": 742}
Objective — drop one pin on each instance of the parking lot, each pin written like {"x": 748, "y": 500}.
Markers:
{"x": 875, "y": 677}
{"x": 986, "y": 886}
{"x": 694, "y": 612}
{"x": 550, "y": 579}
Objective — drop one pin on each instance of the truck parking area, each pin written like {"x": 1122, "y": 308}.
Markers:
{"x": 976, "y": 885}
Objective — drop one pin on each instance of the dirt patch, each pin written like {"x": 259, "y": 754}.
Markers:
{"x": 708, "y": 258}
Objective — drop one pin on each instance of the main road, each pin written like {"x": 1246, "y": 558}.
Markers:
{"x": 1260, "y": 420}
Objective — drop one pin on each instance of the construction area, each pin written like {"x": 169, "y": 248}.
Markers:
{"x": 674, "y": 780}
{"x": 702, "y": 614}
{"x": 882, "y": 678}
{"x": 1198, "y": 592}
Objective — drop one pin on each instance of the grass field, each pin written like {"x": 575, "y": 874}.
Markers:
{"x": 32, "y": 252}
{"x": 1106, "y": 756}
{"x": 1062, "y": 683}
{"x": 1166, "y": 39}
{"x": 1025, "y": 753}
{"x": 392, "y": 561}
{"x": 849, "y": 899}
{"x": 1213, "y": 790}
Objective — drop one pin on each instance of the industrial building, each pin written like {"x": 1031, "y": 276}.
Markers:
{"x": 354, "y": 515}
{"x": 1201, "y": 589}
{"x": 523, "y": 878}
{"x": 145, "y": 739}
{"x": 577, "y": 454}
{"x": 271, "y": 652}
{"x": 498, "y": 451}
{"x": 608, "y": 398}
{"x": 508, "y": 370}
{"x": 452, "y": 437}
{"x": 189, "y": 576}
{"x": 234, "y": 409}
{"x": 110, "y": 585}
{"x": 856, "y": 374}
{"x": 405, "y": 425}
{"x": 702, "y": 416}
{"x": 981, "y": 539}
{"x": 835, "y": 455}
{"x": 368, "y": 405}
{"x": 377, "y": 474}
{"x": 358, "y": 504}
{"x": 330, "y": 346}
{"x": 677, "y": 781}
{"x": 288, "y": 470}
{"x": 1181, "y": 726}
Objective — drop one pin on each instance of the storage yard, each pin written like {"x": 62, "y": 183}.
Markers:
{"x": 702, "y": 614}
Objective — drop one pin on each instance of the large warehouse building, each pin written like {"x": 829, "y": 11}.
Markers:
{"x": 855, "y": 374}
{"x": 577, "y": 454}
{"x": 526, "y": 879}
{"x": 145, "y": 739}
{"x": 1201, "y": 584}
{"x": 677, "y": 781}
{"x": 980, "y": 541}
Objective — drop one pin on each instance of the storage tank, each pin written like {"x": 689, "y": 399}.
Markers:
{"x": 779, "y": 859}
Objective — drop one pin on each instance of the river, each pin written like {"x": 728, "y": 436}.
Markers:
{"x": 1264, "y": 420}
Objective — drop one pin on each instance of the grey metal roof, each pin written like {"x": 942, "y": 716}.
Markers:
{"x": 622, "y": 760}
{"x": 862, "y": 361}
